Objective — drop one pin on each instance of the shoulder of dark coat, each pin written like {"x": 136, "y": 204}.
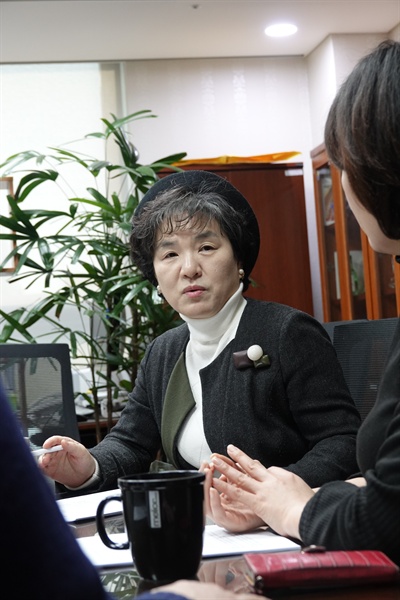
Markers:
{"x": 273, "y": 312}
{"x": 177, "y": 336}
{"x": 257, "y": 315}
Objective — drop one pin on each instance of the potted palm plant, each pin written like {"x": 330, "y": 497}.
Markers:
{"x": 81, "y": 256}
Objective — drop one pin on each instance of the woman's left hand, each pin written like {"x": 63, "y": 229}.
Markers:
{"x": 276, "y": 496}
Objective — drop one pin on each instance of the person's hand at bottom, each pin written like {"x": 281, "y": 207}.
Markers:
{"x": 197, "y": 590}
{"x": 228, "y": 573}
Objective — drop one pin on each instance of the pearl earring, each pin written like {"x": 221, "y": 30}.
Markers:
{"x": 241, "y": 273}
{"x": 159, "y": 292}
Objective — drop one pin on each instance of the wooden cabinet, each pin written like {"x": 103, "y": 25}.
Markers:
{"x": 276, "y": 193}
{"x": 357, "y": 283}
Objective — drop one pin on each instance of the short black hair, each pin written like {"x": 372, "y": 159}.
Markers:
{"x": 362, "y": 134}
{"x": 178, "y": 206}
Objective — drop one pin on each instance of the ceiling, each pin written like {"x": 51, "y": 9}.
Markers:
{"x": 144, "y": 29}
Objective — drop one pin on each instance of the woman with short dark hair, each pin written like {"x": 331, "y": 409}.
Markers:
{"x": 261, "y": 374}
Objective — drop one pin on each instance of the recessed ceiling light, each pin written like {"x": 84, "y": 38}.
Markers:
{"x": 280, "y": 30}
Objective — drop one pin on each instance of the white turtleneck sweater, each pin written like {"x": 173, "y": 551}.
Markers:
{"x": 208, "y": 337}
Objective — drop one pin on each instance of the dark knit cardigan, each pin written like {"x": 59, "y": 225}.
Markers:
{"x": 296, "y": 413}
{"x": 341, "y": 516}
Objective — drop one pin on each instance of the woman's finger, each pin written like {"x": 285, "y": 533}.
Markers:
{"x": 239, "y": 492}
{"x": 217, "y": 511}
{"x": 224, "y": 458}
{"x": 239, "y": 478}
{"x": 207, "y": 487}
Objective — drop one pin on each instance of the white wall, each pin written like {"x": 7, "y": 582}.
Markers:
{"x": 213, "y": 107}
{"x": 395, "y": 33}
{"x": 327, "y": 66}
{"x": 233, "y": 106}
{"x": 206, "y": 107}
{"x": 322, "y": 87}
{"x": 348, "y": 49}
{"x": 50, "y": 105}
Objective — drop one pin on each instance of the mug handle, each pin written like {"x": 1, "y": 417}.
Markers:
{"x": 102, "y": 528}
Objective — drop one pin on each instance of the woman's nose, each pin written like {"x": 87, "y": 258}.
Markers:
{"x": 190, "y": 266}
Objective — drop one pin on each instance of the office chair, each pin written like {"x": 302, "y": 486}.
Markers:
{"x": 37, "y": 379}
{"x": 362, "y": 348}
{"x": 329, "y": 326}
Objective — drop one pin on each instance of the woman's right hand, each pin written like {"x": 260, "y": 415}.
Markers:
{"x": 222, "y": 510}
{"x": 71, "y": 466}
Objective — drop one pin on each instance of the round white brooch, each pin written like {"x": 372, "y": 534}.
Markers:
{"x": 255, "y": 352}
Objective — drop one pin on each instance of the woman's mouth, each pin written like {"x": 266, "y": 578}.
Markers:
{"x": 193, "y": 291}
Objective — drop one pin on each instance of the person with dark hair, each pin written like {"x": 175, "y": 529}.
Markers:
{"x": 261, "y": 374}
{"x": 362, "y": 136}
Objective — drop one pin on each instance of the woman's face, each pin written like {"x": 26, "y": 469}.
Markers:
{"x": 196, "y": 269}
{"x": 377, "y": 239}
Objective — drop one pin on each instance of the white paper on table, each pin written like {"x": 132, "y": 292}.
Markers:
{"x": 80, "y": 508}
{"x": 102, "y": 556}
{"x": 217, "y": 542}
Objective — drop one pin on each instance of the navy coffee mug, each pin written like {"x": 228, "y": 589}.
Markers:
{"x": 164, "y": 521}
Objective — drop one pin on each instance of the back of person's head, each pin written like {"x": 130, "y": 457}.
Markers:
{"x": 362, "y": 134}
{"x": 191, "y": 199}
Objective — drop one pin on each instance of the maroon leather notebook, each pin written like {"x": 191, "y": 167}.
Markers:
{"x": 317, "y": 568}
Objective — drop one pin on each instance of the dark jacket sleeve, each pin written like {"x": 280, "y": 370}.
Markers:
{"x": 342, "y": 516}
{"x": 319, "y": 400}
{"x": 295, "y": 413}
{"x": 133, "y": 443}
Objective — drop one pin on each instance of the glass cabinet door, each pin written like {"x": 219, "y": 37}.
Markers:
{"x": 342, "y": 254}
{"x": 342, "y": 266}
{"x": 329, "y": 261}
{"x": 357, "y": 283}
{"x": 356, "y": 266}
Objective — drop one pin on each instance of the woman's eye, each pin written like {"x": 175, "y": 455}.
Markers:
{"x": 207, "y": 247}
{"x": 169, "y": 255}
